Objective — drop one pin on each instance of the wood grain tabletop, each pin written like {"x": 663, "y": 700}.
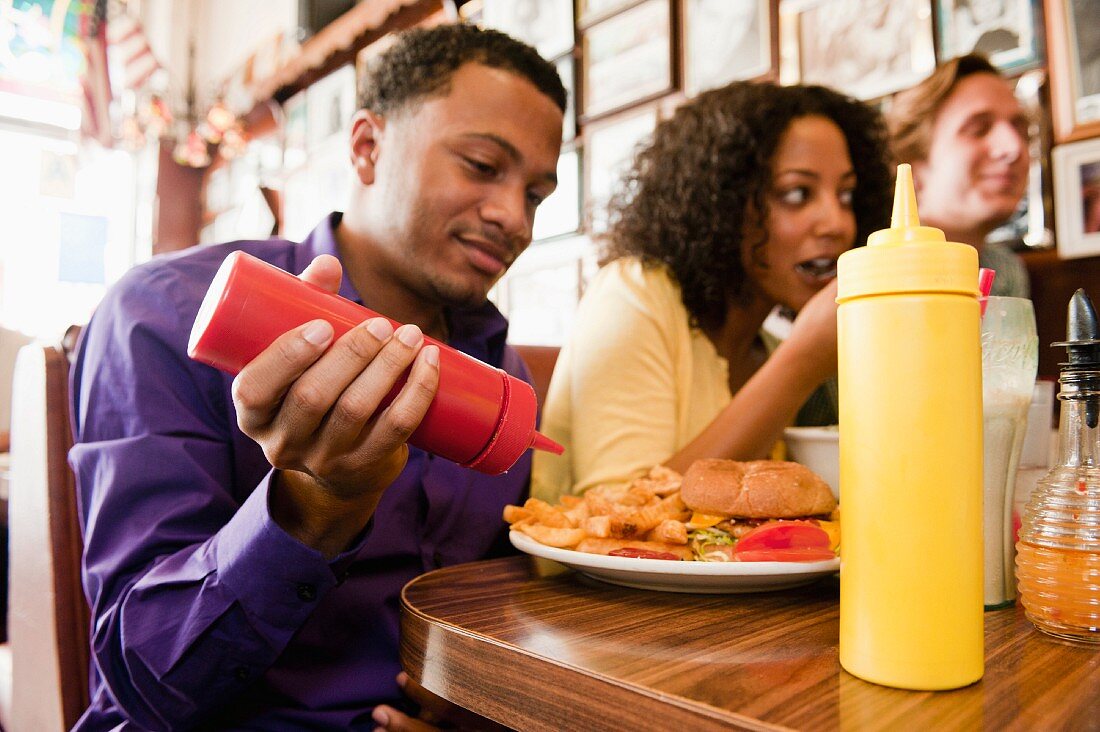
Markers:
{"x": 534, "y": 646}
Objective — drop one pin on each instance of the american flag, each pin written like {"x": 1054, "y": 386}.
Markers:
{"x": 129, "y": 51}
{"x": 95, "y": 121}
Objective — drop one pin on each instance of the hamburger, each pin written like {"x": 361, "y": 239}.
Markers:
{"x": 730, "y": 499}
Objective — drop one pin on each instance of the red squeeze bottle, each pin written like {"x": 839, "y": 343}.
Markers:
{"x": 481, "y": 417}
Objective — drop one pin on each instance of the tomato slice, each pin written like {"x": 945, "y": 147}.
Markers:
{"x": 642, "y": 554}
{"x": 783, "y": 535}
{"x": 799, "y": 554}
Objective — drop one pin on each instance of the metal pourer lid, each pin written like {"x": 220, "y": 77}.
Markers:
{"x": 1082, "y": 341}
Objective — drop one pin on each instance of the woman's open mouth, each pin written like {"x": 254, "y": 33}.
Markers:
{"x": 818, "y": 269}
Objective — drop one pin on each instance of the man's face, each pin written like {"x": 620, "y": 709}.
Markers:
{"x": 457, "y": 178}
{"x": 977, "y": 165}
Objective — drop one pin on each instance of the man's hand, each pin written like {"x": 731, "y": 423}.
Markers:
{"x": 435, "y": 713}
{"x": 315, "y": 412}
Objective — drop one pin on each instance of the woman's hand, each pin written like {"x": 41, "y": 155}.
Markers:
{"x": 435, "y": 713}
{"x": 813, "y": 334}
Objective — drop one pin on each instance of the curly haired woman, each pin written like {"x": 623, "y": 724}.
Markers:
{"x": 742, "y": 202}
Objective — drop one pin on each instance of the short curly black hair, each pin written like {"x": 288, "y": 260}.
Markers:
{"x": 422, "y": 61}
{"x": 685, "y": 201}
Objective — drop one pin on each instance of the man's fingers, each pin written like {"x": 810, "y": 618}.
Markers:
{"x": 325, "y": 272}
{"x": 260, "y": 386}
{"x": 318, "y": 395}
{"x": 358, "y": 405}
{"x": 390, "y": 719}
{"x": 396, "y": 422}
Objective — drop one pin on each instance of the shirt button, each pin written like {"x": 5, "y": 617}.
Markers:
{"x": 307, "y": 592}
{"x": 242, "y": 673}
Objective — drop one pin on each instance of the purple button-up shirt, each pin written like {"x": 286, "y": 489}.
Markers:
{"x": 204, "y": 611}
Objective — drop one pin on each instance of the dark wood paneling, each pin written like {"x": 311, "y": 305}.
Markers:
{"x": 1053, "y": 282}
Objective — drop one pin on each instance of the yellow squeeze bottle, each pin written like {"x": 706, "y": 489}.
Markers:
{"x": 910, "y": 376}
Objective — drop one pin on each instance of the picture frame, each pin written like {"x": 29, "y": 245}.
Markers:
{"x": 1077, "y": 198}
{"x": 866, "y": 50}
{"x": 627, "y": 59}
{"x": 727, "y": 40}
{"x": 1073, "y": 47}
{"x": 330, "y": 106}
{"x": 567, "y": 70}
{"x": 592, "y": 11}
{"x": 560, "y": 213}
{"x": 540, "y": 292}
{"x": 609, "y": 149}
{"x": 545, "y": 24}
{"x": 1007, "y": 32}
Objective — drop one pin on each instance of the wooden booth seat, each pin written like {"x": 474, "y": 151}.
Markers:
{"x": 48, "y": 615}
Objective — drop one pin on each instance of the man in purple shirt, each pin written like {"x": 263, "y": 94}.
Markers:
{"x": 246, "y": 539}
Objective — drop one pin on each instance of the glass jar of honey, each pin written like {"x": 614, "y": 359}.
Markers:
{"x": 1058, "y": 554}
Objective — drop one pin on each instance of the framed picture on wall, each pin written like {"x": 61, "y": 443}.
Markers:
{"x": 567, "y": 71}
{"x": 1077, "y": 198}
{"x": 609, "y": 148}
{"x": 866, "y": 49}
{"x": 592, "y": 10}
{"x": 545, "y": 24}
{"x": 627, "y": 58}
{"x": 1005, "y": 31}
{"x": 1073, "y": 43}
{"x": 726, "y": 40}
{"x": 560, "y": 213}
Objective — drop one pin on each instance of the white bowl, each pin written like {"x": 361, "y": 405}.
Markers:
{"x": 818, "y": 448}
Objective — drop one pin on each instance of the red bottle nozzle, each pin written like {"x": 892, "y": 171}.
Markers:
{"x": 544, "y": 443}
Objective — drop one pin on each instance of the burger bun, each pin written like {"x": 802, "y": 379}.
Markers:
{"x": 758, "y": 489}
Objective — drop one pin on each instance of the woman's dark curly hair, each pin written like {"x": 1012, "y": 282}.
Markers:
{"x": 685, "y": 200}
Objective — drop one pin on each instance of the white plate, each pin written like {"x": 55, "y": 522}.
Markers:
{"x": 669, "y": 576}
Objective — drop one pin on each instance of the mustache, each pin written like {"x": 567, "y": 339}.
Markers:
{"x": 508, "y": 246}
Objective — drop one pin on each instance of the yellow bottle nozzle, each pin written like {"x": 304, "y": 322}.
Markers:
{"x": 904, "y": 220}
{"x": 905, "y": 214}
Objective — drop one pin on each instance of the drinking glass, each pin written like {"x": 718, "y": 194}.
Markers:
{"x": 1010, "y": 358}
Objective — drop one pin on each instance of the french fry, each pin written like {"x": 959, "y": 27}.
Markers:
{"x": 554, "y": 536}
{"x": 546, "y": 514}
{"x": 513, "y": 514}
{"x": 604, "y": 546}
{"x": 671, "y": 531}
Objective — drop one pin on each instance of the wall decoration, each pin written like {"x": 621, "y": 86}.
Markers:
{"x": 726, "y": 40}
{"x": 609, "y": 149}
{"x": 1077, "y": 198}
{"x": 331, "y": 105}
{"x": 1007, "y": 32}
{"x": 560, "y": 213}
{"x": 627, "y": 58}
{"x": 545, "y": 24}
{"x": 295, "y": 130}
{"x": 593, "y": 10}
{"x": 1073, "y": 42}
{"x": 83, "y": 245}
{"x": 866, "y": 48}
{"x": 567, "y": 71}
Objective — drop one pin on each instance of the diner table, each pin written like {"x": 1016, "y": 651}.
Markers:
{"x": 535, "y": 646}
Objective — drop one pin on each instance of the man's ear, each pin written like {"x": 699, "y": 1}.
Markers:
{"x": 366, "y": 135}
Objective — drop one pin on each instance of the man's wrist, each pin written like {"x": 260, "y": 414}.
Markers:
{"x": 313, "y": 515}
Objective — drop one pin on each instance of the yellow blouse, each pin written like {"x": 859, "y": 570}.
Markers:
{"x": 634, "y": 384}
